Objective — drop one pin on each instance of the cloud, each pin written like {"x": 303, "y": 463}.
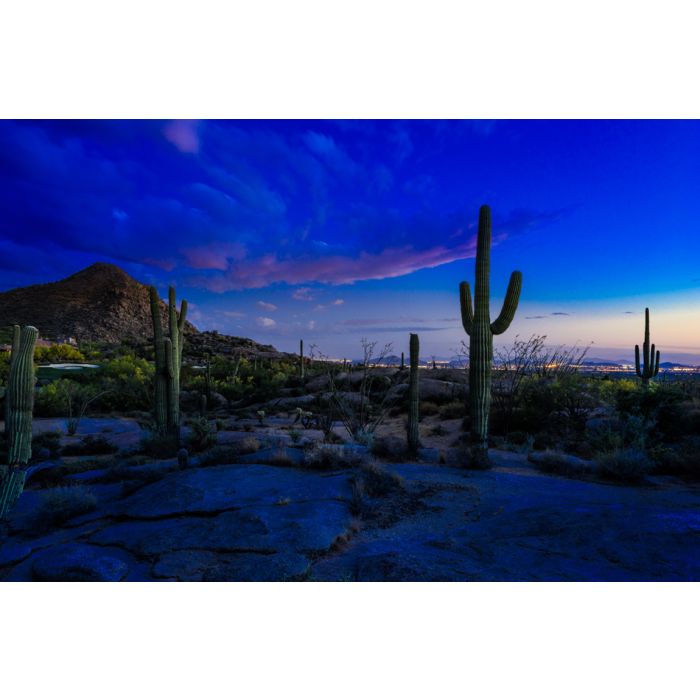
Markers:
{"x": 628, "y": 312}
{"x": 265, "y": 322}
{"x": 234, "y": 314}
{"x": 331, "y": 154}
{"x": 335, "y": 270}
{"x": 335, "y": 302}
{"x": 534, "y": 317}
{"x": 560, "y": 313}
{"x": 267, "y": 306}
{"x": 215, "y": 256}
{"x": 303, "y": 294}
{"x": 183, "y": 134}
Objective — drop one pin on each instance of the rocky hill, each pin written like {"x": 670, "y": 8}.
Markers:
{"x": 103, "y": 304}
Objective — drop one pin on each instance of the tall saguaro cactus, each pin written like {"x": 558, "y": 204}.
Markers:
{"x": 651, "y": 356}
{"x": 477, "y": 323}
{"x": 19, "y": 405}
{"x": 168, "y": 355}
{"x": 413, "y": 436}
{"x": 301, "y": 360}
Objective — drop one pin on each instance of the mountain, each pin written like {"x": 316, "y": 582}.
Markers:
{"x": 104, "y": 304}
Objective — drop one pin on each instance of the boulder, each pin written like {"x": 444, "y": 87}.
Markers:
{"x": 78, "y": 562}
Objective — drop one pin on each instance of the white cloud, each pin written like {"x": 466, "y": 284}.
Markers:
{"x": 303, "y": 294}
{"x": 267, "y": 306}
{"x": 265, "y": 322}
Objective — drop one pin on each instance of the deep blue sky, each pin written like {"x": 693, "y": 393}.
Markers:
{"x": 336, "y": 230}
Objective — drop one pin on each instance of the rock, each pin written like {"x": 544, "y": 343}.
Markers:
{"x": 286, "y": 525}
{"x": 78, "y": 562}
{"x": 12, "y": 552}
{"x": 195, "y": 565}
{"x": 280, "y": 456}
{"x": 429, "y": 454}
{"x": 213, "y": 489}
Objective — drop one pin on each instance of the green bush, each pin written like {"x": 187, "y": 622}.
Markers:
{"x": 90, "y": 445}
{"x": 201, "y": 436}
{"x": 61, "y": 504}
{"x": 628, "y": 465}
{"x": 53, "y": 354}
{"x": 49, "y": 440}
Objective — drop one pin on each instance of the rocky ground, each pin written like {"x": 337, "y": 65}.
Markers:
{"x": 269, "y": 517}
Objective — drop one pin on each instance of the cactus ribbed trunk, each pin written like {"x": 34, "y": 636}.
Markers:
{"x": 301, "y": 360}
{"x": 413, "y": 435}
{"x": 477, "y": 324}
{"x": 403, "y": 364}
{"x": 20, "y": 384}
{"x": 651, "y": 356}
{"x": 168, "y": 356}
{"x": 19, "y": 405}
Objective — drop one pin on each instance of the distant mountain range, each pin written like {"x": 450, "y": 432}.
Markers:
{"x": 104, "y": 304}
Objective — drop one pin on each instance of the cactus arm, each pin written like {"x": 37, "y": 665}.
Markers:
{"x": 183, "y": 316}
{"x": 637, "y": 366}
{"x": 168, "y": 352}
{"x": 658, "y": 358}
{"x": 465, "y": 302}
{"x": 510, "y": 304}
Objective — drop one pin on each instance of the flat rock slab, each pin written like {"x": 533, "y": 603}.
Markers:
{"x": 195, "y": 565}
{"x": 299, "y": 527}
{"x": 78, "y": 562}
{"x": 517, "y": 525}
{"x": 213, "y": 489}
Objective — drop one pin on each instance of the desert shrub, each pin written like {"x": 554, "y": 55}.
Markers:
{"x": 61, "y": 504}
{"x": 229, "y": 454}
{"x": 453, "y": 409}
{"x": 280, "y": 458}
{"x": 322, "y": 457}
{"x": 295, "y": 435}
{"x": 90, "y": 445}
{"x": 428, "y": 408}
{"x": 49, "y": 440}
{"x": 552, "y": 462}
{"x": 391, "y": 448}
{"x": 159, "y": 445}
{"x": 626, "y": 432}
{"x": 201, "y": 435}
{"x": 628, "y": 465}
{"x": 379, "y": 482}
{"x": 53, "y": 354}
{"x": 682, "y": 460}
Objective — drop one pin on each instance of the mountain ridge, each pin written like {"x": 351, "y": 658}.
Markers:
{"x": 103, "y": 303}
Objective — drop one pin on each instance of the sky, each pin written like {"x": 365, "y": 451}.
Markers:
{"x": 334, "y": 231}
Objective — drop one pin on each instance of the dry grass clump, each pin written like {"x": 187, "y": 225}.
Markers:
{"x": 324, "y": 457}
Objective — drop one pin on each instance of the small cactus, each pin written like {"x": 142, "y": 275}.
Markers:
{"x": 182, "y": 458}
{"x": 403, "y": 364}
{"x": 301, "y": 360}
{"x": 477, "y": 323}
{"x": 651, "y": 356}
{"x": 413, "y": 435}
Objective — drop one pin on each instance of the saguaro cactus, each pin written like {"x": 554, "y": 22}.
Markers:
{"x": 403, "y": 364}
{"x": 168, "y": 355}
{"x": 651, "y": 356}
{"x": 413, "y": 437}
{"x": 477, "y": 323}
{"x": 19, "y": 404}
{"x": 301, "y": 360}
